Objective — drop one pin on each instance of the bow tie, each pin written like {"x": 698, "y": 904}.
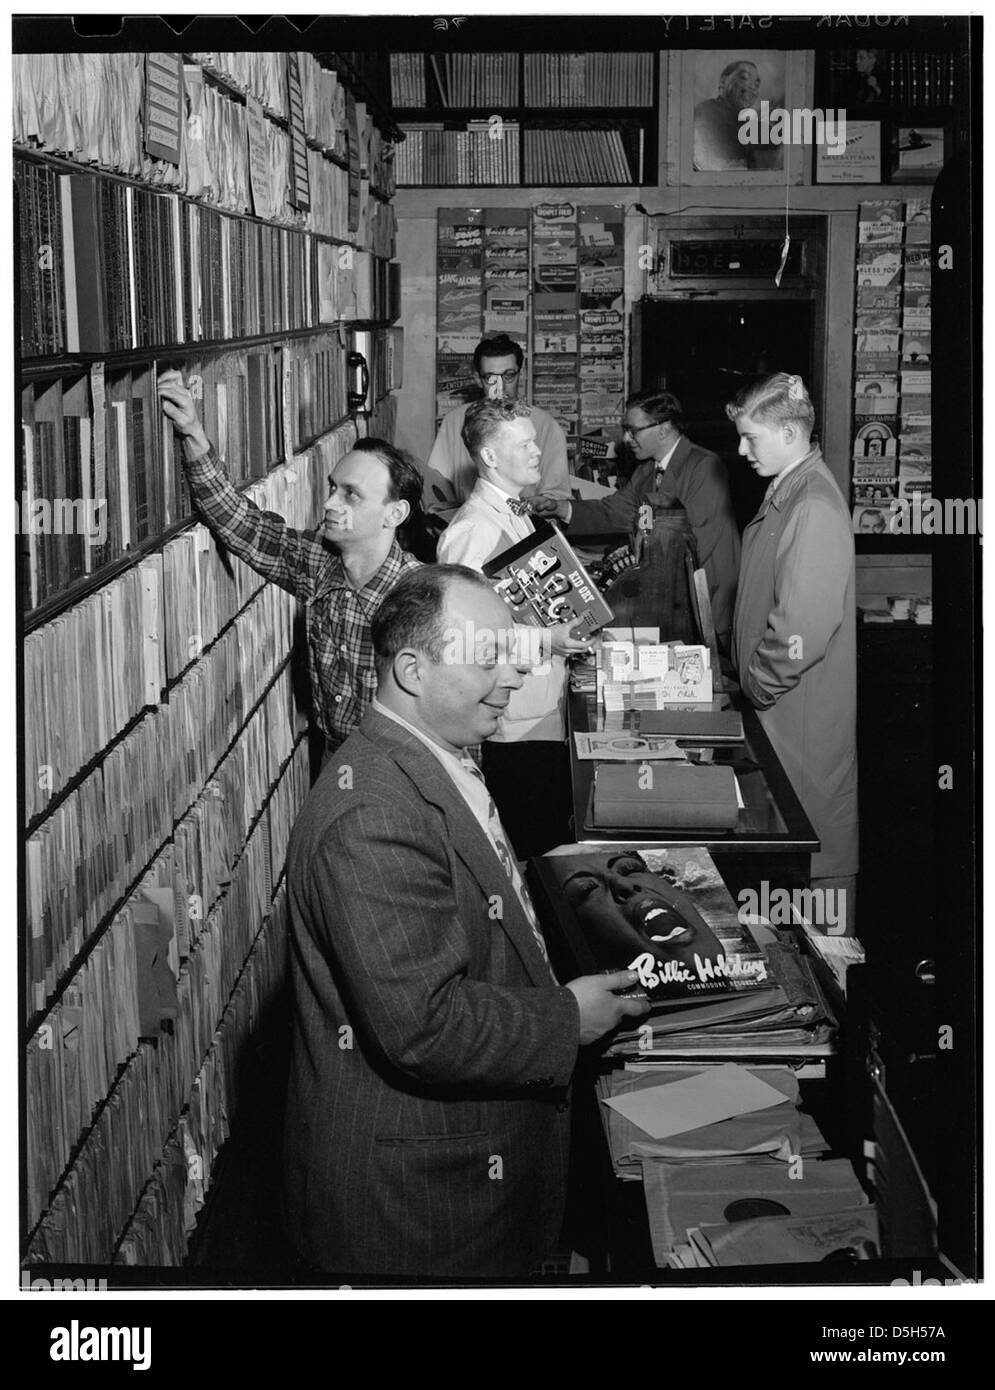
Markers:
{"x": 519, "y": 505}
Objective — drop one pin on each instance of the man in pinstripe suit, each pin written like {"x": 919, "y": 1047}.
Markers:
{"x": 426, "y": 1129}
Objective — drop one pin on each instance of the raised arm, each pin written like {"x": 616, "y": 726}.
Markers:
{"x": 262, "y": 539}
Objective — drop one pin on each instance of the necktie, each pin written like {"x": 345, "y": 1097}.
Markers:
{"x": 519, "y": 505}
{"x": 496, "y": 835}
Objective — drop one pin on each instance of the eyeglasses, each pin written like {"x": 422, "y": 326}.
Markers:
{"x": 628, "y": 429}
{"x": 507, "y": 377}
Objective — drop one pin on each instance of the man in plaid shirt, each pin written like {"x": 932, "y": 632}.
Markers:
{"x": 340, "y": 573}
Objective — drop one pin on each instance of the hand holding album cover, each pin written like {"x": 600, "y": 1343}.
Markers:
{"x": 664, "y": 913}
{"x": 543, "y": 583}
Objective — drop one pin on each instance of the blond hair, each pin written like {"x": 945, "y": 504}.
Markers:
{"x": 779, "y": 399}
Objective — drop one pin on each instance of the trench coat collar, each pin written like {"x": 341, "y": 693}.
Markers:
{"x": 779, "y": 495}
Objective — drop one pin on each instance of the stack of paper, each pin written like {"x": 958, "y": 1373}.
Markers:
{"x": 732, "y": 1170}
{"x": 719, "y": 1114}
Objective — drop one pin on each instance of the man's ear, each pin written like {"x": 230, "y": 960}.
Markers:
{"x": 397, "y": 513}
{"x": 406, "y": 669}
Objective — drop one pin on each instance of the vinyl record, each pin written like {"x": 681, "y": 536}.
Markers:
{"x": 679, "y": 1196}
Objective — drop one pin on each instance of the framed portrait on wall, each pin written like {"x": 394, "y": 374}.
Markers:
{"x": 730, "y": 106}
{"x": 856, "y": 79}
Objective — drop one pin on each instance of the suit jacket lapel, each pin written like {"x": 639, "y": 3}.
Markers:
{"x": 668, "y": 480}
{"x": 472, "y": 845}
{"x": 680, "y": 455}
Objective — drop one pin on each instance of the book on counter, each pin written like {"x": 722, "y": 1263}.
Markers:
{"x": 543, "y": 583}
{"x": 711, "y": 726}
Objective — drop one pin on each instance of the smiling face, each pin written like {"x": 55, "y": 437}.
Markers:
{"x": 626, "y": 910}
{"x": 358, "y": 507}
{"x": 741, "y": 88}
{"x": 512, "y": 456}
{"x": 461, "y": 700}
{"x": 646, "y": 437}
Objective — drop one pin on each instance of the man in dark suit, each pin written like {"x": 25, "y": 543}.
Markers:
{"x": 426, "y": 1129}
{"x": 671, "y": 473}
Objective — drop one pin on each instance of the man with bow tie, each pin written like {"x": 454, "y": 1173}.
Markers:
{"x": 525, "y": 763}
{"x": 450, "y": 473}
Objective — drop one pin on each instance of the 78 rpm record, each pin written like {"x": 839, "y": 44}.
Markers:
{"x": 679, "y": 1196}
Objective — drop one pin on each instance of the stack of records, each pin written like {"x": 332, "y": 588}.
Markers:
{"x": 665, "y": 912}
{"x": 812, "y": 1210}
{"x": 733, "y": 1172}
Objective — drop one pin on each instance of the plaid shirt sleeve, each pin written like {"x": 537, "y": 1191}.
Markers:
{"x": 262, "y": 539}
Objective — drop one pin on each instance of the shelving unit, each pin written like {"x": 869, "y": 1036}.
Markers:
{"x": 892, "y": 401}
{"x": 552, "y": 279}
{"x": 533, "y": 120}
{"x": 164, "y": 755}
{"x": 912, "y": 96}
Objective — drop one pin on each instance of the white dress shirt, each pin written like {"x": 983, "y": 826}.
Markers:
{"x": 661, "y": 464}
{"x": 482, "y": 528}
{"x": 470, "y": 787}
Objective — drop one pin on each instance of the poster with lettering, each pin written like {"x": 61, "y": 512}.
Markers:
{"x": 543, "y": 582}
{"x": 663, "y": 912}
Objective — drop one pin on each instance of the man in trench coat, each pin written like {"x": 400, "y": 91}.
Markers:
{"x": 794, "y": 631}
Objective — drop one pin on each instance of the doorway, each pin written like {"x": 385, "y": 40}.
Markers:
{"x": 705, "y": 351}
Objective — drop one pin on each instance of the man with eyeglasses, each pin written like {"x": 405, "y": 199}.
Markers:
{"x": 671, "y": 474}
{"x": 451, "y": 473}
